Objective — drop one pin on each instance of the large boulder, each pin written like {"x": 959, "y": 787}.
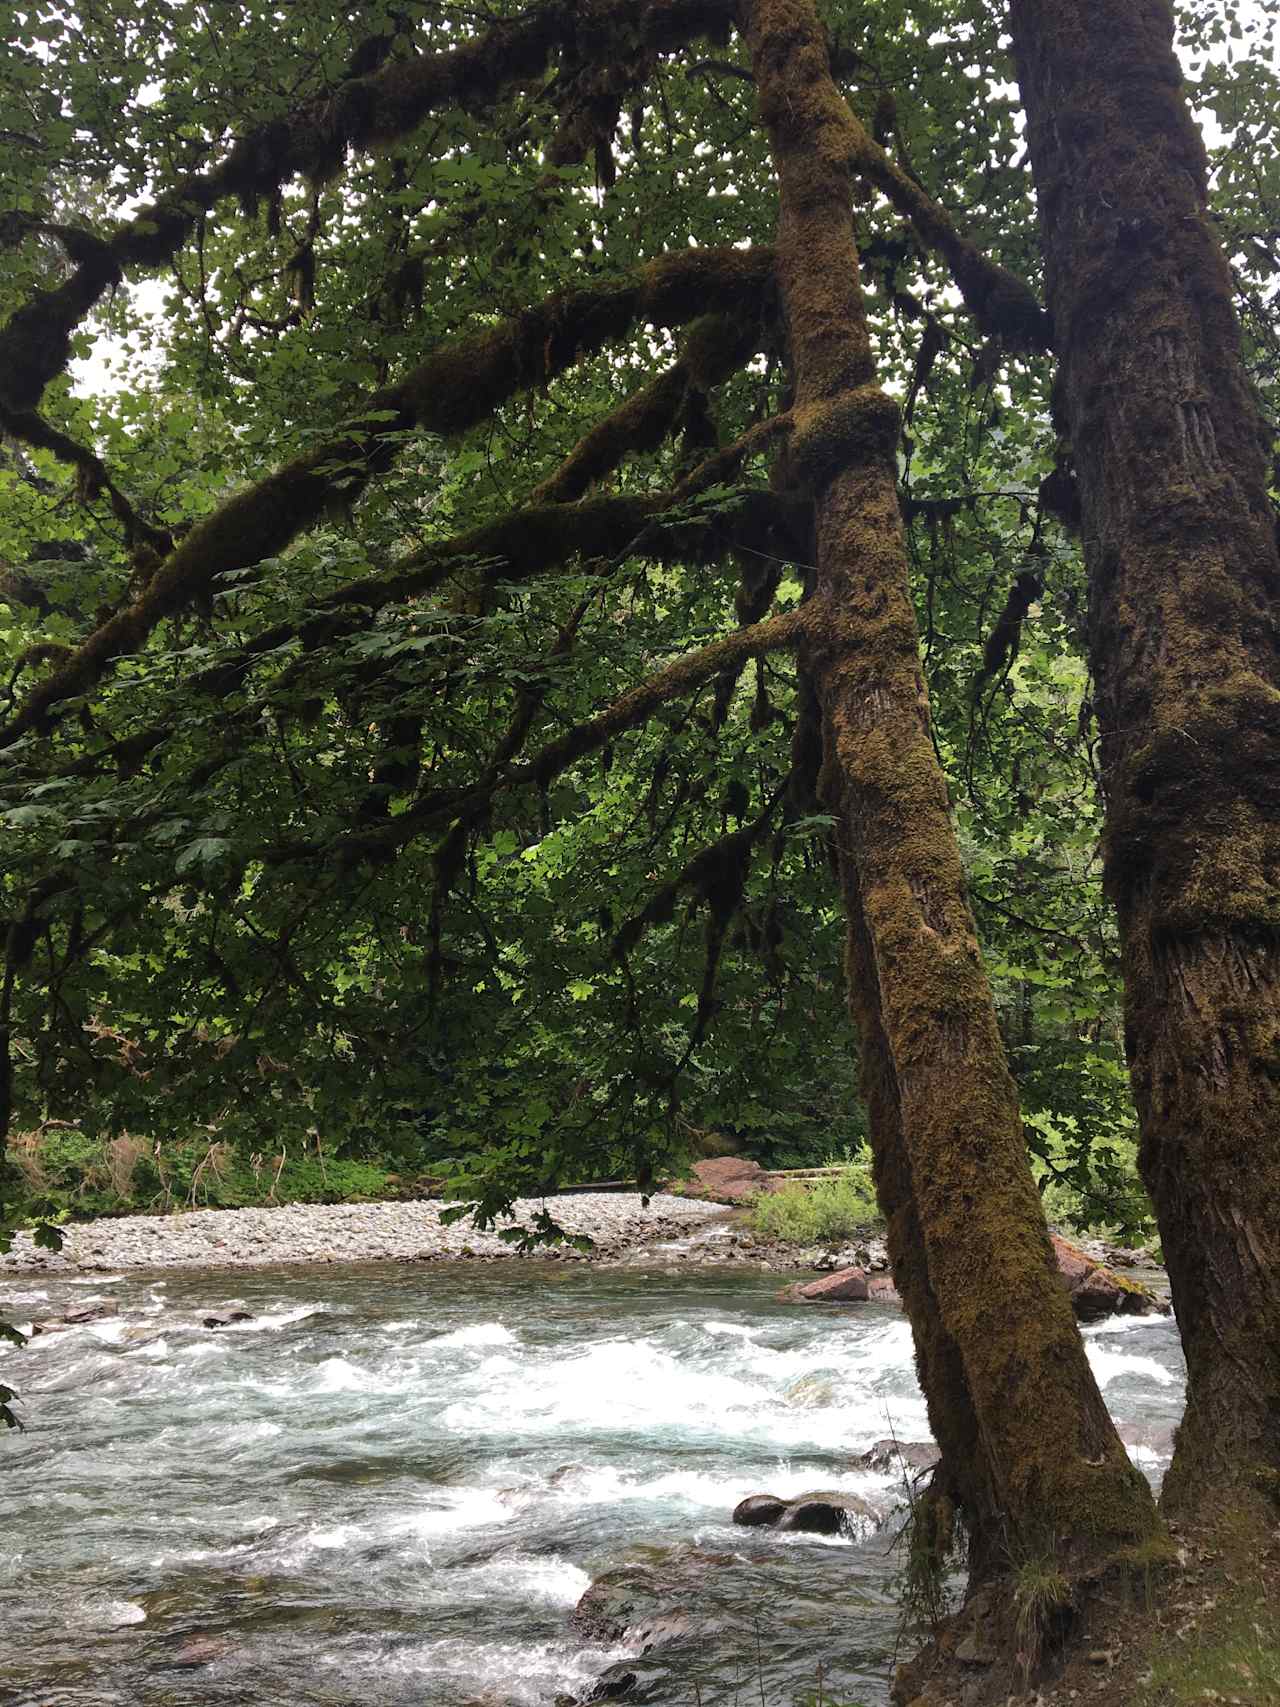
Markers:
{"x": 845, "y": 1286}
{"x": 1096, "y": 1291}
{"x": 727, "y": 1179}
{"x": 826, "y": 1512}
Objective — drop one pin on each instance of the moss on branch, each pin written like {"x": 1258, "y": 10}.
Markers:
{"x": 362, "y": 112}
{"x": 456, "y": 387}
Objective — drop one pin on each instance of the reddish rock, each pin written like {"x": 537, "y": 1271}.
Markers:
{"x": 882, "y": 1289}
{"x": 1096, "y": 1291}
{"x": 728, "y": 1179}
{"x": 1073, "y": 1263}
{"x": 846, "y": 1285}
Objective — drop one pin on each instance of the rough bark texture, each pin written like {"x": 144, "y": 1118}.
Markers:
{"x": 1180, "y": 542}
{"x": 962, "y": 1481}
{"x": 1060, "y": 1477}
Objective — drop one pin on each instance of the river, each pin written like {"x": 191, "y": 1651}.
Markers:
{"x": 393, "y": 1485}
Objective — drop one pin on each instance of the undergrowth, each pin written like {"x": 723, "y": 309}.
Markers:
{"x": 61, "y": 1174}
{"x": 1234, "y": 1659}
{"x": 824, "y": 1211}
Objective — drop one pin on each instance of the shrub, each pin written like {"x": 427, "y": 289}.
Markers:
{"x": 825, "y": 1211}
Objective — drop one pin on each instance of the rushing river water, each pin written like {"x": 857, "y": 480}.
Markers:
{"x": 393, "y": 1485}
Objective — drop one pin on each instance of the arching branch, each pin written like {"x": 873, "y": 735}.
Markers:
{"x": 457, "y": 386}
{"x": 362, "y": 112}
{"x": 1001, "y": 303}
{"x": 715, "y": 347}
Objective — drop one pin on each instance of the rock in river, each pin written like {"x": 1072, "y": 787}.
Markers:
{"x": 845, "y": 1286}
{"x": 827, "y": 1512}
{"x": 1097, "y": 1291}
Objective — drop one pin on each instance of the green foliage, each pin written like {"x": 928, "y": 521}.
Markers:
{"x": 65, "y": 1174}
{"x": 824, "y": 1212}
{"x": 205, "y": 932}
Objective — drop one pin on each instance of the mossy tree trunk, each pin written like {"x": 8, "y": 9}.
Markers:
{"x": 989, "y": 1304}
{"x": 1180, "y": 542}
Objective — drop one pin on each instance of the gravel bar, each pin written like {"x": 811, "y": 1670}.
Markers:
{"x": 349, "y": 1232}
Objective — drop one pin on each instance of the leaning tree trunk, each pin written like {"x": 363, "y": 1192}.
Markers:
{"x": 1180, "y": 543}
{"x": 1061, "y": 1481}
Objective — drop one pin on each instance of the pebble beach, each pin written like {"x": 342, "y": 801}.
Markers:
{"x": 618, "y": 1222}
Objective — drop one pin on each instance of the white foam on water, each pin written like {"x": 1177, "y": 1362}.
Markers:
{"x": 862, "y": 1386}
{"x": 1111, "y": 1366}
{"x": 109, "y": 1333}
{"x": 336, "y": 1375}
{"x": 110, "y": 1615}
{"x": 800, "y": 1538}
{"x": 244, "y": 1434}
{"x": 464, "y": 1508}
{"x": 1146, "y": 1455}
{"x": 98, "y": 1280}
{"x": 517, "y": 1674}
{"x": 1123, "y": 1325}
{"x": 478, "y": 1334}
{"x": 735, "y": 1330}
{"x": 549, "y": 1581}
{"x": 608, "y": 1485}
{"x": 274, "y": 1320}
{"x": 327, "y": 1540}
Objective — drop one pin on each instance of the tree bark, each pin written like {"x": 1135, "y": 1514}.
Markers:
{"x": 1180, "y": 543}
{"x": 1061, "y": 1482}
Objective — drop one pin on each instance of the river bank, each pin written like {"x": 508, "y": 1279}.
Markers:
{"x": 618, "y": 1222}
{"x": 668, "y": 1230}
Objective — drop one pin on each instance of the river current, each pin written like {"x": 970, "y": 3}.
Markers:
{"x": 392, "y": 1486}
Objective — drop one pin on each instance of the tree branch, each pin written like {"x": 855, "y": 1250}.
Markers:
{"x": 440, "y": 810}
{"x": 361, "y": 112}
{"x": 459, "y": 385}
{"x": 1001, "y": 303}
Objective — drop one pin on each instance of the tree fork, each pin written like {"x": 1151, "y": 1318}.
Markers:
{"x": 1061, "y": 1477}
{"x": 1179, "y": 539}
